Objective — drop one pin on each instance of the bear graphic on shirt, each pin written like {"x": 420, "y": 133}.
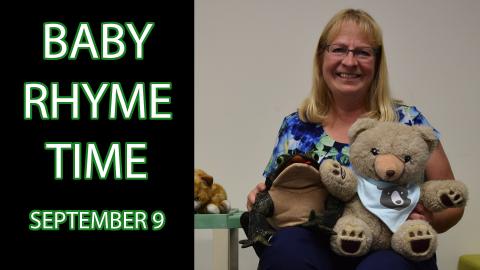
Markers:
{"x": 394, "y": 197}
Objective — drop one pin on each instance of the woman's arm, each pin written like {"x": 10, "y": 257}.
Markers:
{"x": 253, "y": 194}
{"x": 438, "y": 168}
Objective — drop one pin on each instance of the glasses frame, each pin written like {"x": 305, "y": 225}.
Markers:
{"x": 355, "y": 51}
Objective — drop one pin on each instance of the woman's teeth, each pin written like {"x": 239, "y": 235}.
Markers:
{"x": 348, "y": 75}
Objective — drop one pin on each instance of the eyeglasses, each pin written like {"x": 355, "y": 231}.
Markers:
{"x": 360, "y": 53}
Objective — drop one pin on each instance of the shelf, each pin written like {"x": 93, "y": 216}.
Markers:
{"x": 218, "y": 221}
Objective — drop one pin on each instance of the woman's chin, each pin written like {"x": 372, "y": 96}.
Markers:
{"x": 349, "y": 90}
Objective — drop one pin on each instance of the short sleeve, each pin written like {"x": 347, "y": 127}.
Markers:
{"x": 281, "y": 147}
{"x": 294, "y": 137}
{"x": 410, "y": 115}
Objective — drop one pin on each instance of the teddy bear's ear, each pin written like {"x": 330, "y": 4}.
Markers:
{"x": 360, "y": 126}
{"x": 208, "y": 179}
{"x": 428, "y": 135}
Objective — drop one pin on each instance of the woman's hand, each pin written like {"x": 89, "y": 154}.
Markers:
{"x": 422, "y": 213}
{"x": 252, "y": 194}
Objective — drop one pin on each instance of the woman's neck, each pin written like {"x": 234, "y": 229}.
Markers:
{"x": 345, "y": 112}
{"x": 341, "y": 117}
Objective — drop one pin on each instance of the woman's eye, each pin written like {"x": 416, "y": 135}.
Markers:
{"x": 364, "y": 53}
{"x": 374, "y": 151}
{"x": 339, "y": 50}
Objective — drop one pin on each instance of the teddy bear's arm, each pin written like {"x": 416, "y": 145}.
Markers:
{"x": 340, "y": 181}
{"x": 441, "y": 194}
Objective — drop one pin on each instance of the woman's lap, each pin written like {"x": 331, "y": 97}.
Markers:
{"x": 300, "y": 248}
{"x": 295, "y": 247}
{"x": 388, "y": 259}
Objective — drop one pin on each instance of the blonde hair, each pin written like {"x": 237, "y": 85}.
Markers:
{"x": 314, "y": 108}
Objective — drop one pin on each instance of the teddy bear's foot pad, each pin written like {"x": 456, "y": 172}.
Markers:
{"x": 420, "y": 239}
{"x": 420, "y": 246}
{"x": 415, "y": 239}
{"x": 451, "y": 199}
{"x": 350, "y": 246}
{"x": 351, "y": 241}
{"x": 353, "y": 237}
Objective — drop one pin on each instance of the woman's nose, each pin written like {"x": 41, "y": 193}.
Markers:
{"x": 349, "y": 59}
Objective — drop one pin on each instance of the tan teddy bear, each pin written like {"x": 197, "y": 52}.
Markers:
{"x": 208, "y": 197}
{"x": 388, "y": 161}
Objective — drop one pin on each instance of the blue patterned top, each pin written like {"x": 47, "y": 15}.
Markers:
{"x": 296, "y": 136}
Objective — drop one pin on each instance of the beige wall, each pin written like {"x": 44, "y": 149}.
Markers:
{"x": 253, "y": 66}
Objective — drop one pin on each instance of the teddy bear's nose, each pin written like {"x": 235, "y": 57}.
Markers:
{"x": 390, "y": 173}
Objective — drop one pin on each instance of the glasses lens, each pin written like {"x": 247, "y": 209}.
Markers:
{"x": 338, "y": 50}
{"x": 364, "y": 53}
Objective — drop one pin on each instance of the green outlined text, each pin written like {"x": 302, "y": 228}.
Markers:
{"x": 92, "y": 220}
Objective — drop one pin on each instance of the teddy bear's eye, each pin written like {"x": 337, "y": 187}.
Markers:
{"x": 374, "y": 151}
{"x": 407, "y": 158}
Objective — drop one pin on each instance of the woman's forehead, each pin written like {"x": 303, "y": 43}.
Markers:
{"x": 348, "y": 31}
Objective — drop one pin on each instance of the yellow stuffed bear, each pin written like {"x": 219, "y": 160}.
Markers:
{"x": 208, "y": 197}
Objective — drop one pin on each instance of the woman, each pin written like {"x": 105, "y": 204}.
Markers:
{"x": 349, "y": 81}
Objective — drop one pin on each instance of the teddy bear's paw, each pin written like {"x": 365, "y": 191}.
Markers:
{"x": 225, "y": 206}
{"x": 416, "y": 240}
{"x": 332, "y": 169}
{"x": 438, "y": 195}
{"x": 353, "y": 237}
{"x": 338, "y": 180}
{"x": 213, "y": 209}
{"x": 451, "y": 198}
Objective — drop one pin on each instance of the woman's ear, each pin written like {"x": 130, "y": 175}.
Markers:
{"x": 360, "y": 126}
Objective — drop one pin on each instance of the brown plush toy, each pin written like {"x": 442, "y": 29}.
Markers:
{"x": 208, "y": 197}
{"x": 388, "y": 161}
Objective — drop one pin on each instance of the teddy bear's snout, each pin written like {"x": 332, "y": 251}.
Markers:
{"x": 388, "y": 167}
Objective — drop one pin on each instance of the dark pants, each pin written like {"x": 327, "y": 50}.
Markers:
{"x": 300, "y": 248}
